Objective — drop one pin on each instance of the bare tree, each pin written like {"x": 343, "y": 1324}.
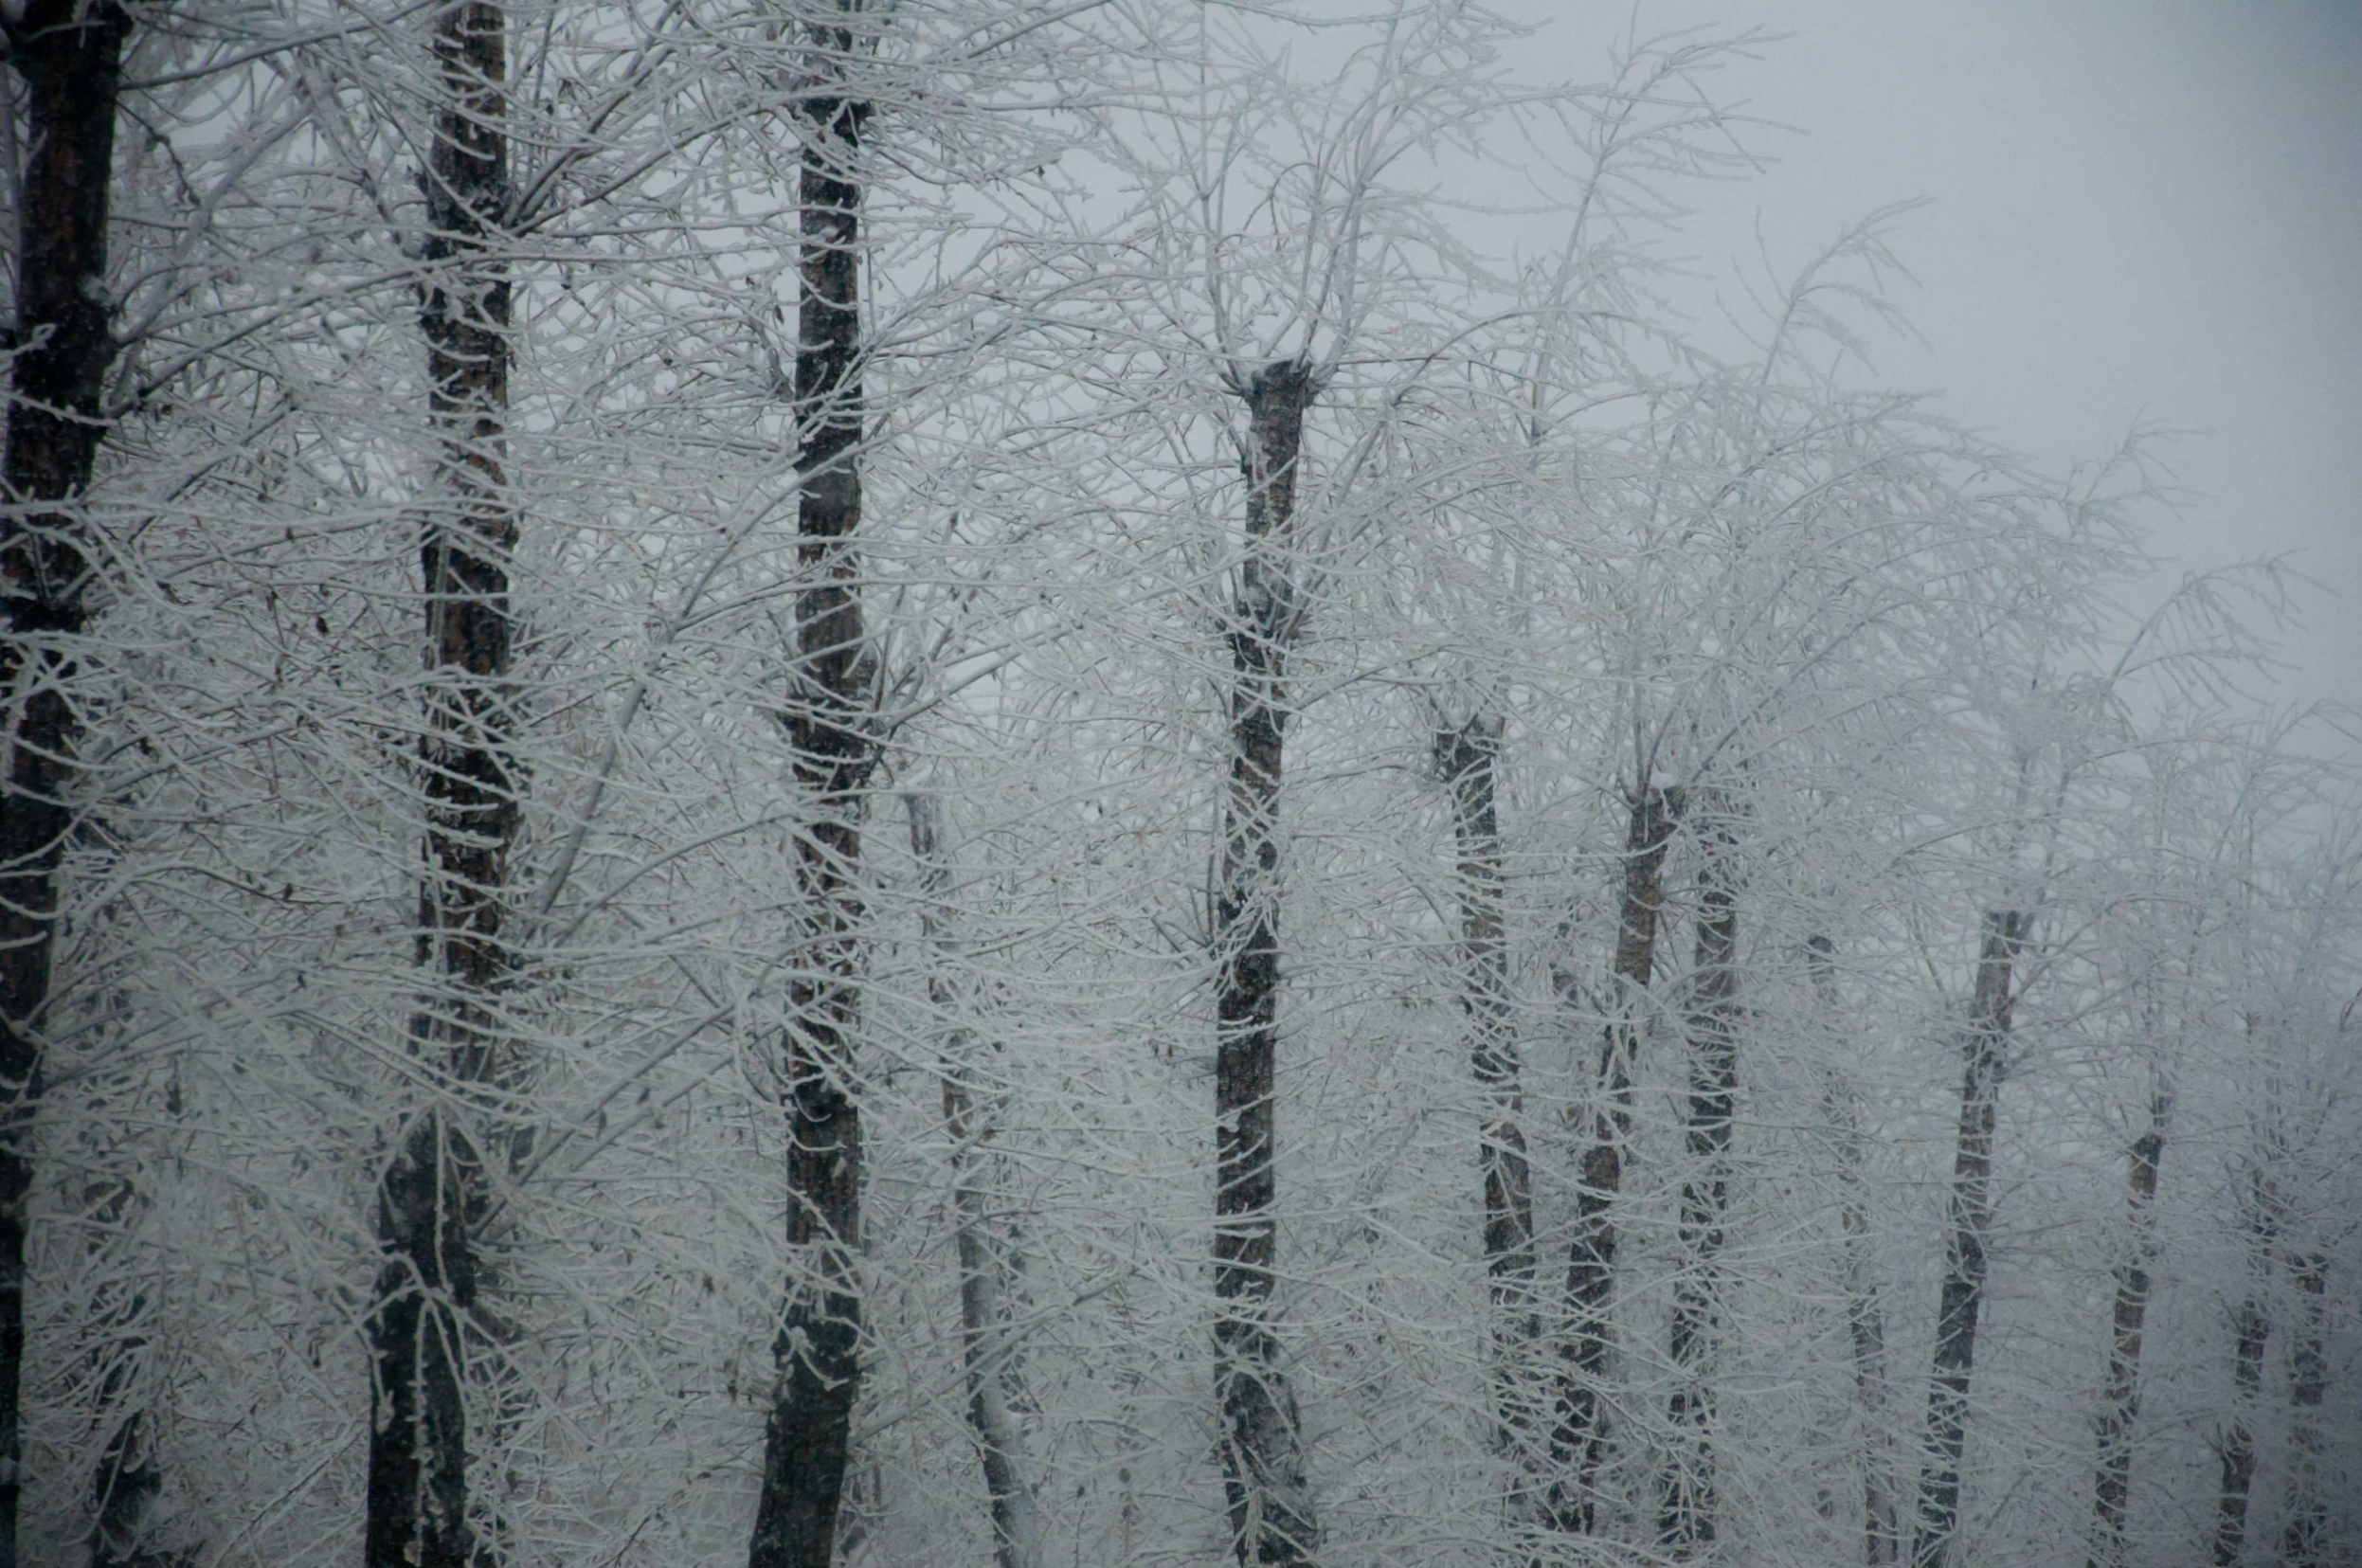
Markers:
{"x": 2122, "y": 1406}
{"x": 1985, "y": 1042}
{"x": 69, "y": 57}
{"x": 424, "y": 1330}
{"x": 1468, "y": 758}
{"x": 1866, "y": 1316}
{"x": 808, "y": 1436}
{"x": 1263, "y": 1468}
{"x": 2251, "y": 1327}
{"x": 985, "y": 1344}
{"x": 1686, "y": 1522}
{"x": 1579, "y": 1439}
{"x": 2304, "y": 1540}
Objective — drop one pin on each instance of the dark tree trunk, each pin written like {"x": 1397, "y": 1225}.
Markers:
{"x": 1985, "y": 1042}
{"x": 70, "y": 55}
{"x": 1270, "y": 1497}
{"x": 2251, "y": 1327}
{"x": 1470, "y": 760}
{"x": 1687, "y": 1521}
{"x": 2305, "y": 1542}
{"x": 1578, "y": 1434}
{"x": 1865, "y": 1318}
{"x": 433, "y": 1197}
{"x": 2112, "y": 1483}
{"x": 984, "y": 1343}
{"x": 807, "y": 1438}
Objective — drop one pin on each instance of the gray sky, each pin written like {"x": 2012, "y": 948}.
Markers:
{"x": 2141, "y": 209}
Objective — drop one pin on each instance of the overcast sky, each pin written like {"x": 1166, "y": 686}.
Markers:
{"x": 2140, "y": 209}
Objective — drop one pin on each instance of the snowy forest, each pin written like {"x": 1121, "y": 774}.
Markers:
{"x": 1071, "y": 781}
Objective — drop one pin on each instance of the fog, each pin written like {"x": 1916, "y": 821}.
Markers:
{"x": 2134, "y": 212}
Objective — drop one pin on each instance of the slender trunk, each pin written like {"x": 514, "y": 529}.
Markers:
{"x": 2111, "y": 1484}
{"x": 2305, "y": 1542}
{"x": 1579, "y": 1435}
{"x": 2251, "y": 1327}
{"x": 69, "y": 56}
{"x": 984, "y": 1340}
{"x": 1269, "y": 1498}
{"x": 1687, "y": 1521}
{"x": 1470, "y": 759}
{"x": 1865, "y": 1318}
{"x": 807, "y": 1439}
{"x": 1985, "y": 1042}
{"x": 432, "y": 1199}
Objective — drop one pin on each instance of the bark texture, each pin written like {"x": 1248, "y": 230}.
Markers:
{"x": 1865, "y": 1317}
{"x": 2251, "y": 1328}
{"x": 69, "y": 56}
{"x": 2112, "y": 1483}
{"x": 1985, "y": 1042}
{"x": 807, "y": 1438}
{"x": 1270, "y": 1497}
{"x": 1686, "y": 1522}
{"x": 431, "y": 1202}
{"x": 1468, "y": 759}
{"x": 1578, "y": 1434}
{"x": 984, "y": 1340}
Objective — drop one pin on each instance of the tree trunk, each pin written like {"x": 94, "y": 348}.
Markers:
{"x": 2111, "y": 1484}
{"x": 2305, "y": 1542}
{"x": 1687, "y": 1521}
{"x": 807, "y": 1438}
{"x": 2251, "y": 1327}
{"x": 1470, "y": 760}
{"x": 1865, "y": 1319}
{"x": 433, "y": 1196}
{"x": 1579, "y": 1436}
{"x": 984, "y": 1341}
{"x": 1986, "y": 1044}
{"x": 1269, "y": 1498}
{"x": 70, "y": 55}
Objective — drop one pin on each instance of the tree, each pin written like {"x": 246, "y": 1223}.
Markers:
{"x": 1688, "y": 1520}
{"x": 1468, "y": 759}
{"x": 1984, "y": 1045}
{"x": 1372, "y": 695}
{"x": 69, "y": 58}
{"x": 1865, "y": 1317}
{"x": 1578, "y": 1441}
{"x": 1272, "y": 1518}
{"x": 434, "y": 1198}
{"x": 985, "y": 1345}
{"x": 806, "y": 1441}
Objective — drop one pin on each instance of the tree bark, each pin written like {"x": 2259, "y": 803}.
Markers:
{"x": 1579, "y": 1435}
{"x": 2251, "y": 1327}
{"x": 984, "y": 1341}
{"x": 807, "y": 1438}
{"x": 1468, "y": 758}
{"x": 69, "y": 56}
{"x": 433, "y": 1196}
{"x": 1986, "y": 1044}
{"x": 2304, "y": 1543}
{"x": 2112, "y": 1483}
{"x": 1865, "y": 1318}
{"x": 1271, "y": 1519}
{"x": 1688, "y": 1520}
